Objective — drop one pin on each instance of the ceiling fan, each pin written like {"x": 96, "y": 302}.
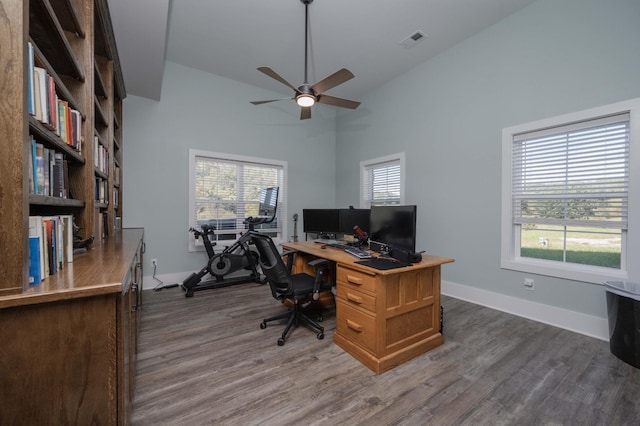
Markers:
{"x": 308, "y": 94}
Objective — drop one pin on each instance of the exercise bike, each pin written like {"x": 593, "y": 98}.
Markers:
{"x": 238, "y": 256}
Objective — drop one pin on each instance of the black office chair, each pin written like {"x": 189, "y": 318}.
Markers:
{"x": 300, "y": 288}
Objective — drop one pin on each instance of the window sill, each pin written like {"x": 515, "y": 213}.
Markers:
{"x": 584, "y": 273}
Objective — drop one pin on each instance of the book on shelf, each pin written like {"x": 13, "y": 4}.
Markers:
{"x": 101, "y": 188}
{"x": 62, "y": 121}
{"x": 39, "y": 168}
{"x": 41, "y": 95}
{"x": 35, "y": 230}
{"x": 30, "y": 79}
{"x": 46, "y": 167}
{"x": 50, "y": 244}
{"x": 52, "y": 104}
{"x": 53, "y": 112}
{"x": 55, "y": 243}
{"x": 34, "y": 261}
{"x": 31, "y": 170}
{"x": 76, "y": 125}
{"x": 59, "y": 189}
{"x": 49, "y": 171}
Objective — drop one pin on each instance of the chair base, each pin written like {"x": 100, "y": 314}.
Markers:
{"x": 293, "y": 317}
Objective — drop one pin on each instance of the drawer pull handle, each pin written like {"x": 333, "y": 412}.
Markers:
{"x": 354, "y": 298}
{"x": 354, "y": 280}
{"x": 354, "y": 326}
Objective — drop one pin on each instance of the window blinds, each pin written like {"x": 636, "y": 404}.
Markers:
{"x": 573, "y": 175}
{"x": 226, "y": 190}
{"x": 381, "y": 183}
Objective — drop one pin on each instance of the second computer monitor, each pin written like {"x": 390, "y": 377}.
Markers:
{"x": 350, "y": 218}
{"x": 317, "y": 221}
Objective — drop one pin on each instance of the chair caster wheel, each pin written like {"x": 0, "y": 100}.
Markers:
{"x": 263, "y": 325}
{"x": 281, "y": 342}
{"x": 320, "y": 335}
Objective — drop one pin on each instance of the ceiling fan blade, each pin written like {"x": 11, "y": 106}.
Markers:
{"x": 333, "y": 80}
{"x": 338, "y": 102}
{"x": 305, "y": 112}
{"x": 271, "y": 73}
{"x": 270, "y": 100}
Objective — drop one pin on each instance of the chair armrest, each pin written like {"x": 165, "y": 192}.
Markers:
{"x": 289, "y": 255}
{"x": 321, "y": 266}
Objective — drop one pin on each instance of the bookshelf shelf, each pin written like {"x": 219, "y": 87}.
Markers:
{"x": 46, "y": 31}
{"x": 100, "y": 117}
{"x": 53, "y": 140}
{"x": 101, "y": 90}
{"x": 70, "y": 19}
{"x": 45, "y": 200}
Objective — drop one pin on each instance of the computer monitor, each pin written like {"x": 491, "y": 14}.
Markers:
{"x": 394, "y": 225}
{"x": 317, "y": 221}
{"x": 350, "y": 218}
{"x": 268, "y": 202}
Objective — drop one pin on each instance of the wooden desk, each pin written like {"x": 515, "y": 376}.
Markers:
{"x": 383, "y": 317}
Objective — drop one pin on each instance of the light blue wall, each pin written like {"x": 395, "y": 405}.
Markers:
{"x": 207, "y": 112}
{"x": 554, "y": 57}
{"x": 551, "y": 58}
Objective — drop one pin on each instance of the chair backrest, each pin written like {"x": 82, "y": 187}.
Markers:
{"x": 277, "y": 273}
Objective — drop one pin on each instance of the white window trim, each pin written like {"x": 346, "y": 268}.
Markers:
{"x": 591, "y": 274}
{"x": 193, "y": 153}
{"x": 386, "y": 159}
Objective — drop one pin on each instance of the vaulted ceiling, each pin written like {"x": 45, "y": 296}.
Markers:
{"x": 231, "y": 38}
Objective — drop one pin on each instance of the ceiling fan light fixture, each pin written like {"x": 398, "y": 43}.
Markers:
{"x": 305, "y": 100}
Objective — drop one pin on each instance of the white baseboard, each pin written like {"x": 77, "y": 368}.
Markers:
{"x": 577, "y": 322}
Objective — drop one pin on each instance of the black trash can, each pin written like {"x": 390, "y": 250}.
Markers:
{"x": 623, "y": 308}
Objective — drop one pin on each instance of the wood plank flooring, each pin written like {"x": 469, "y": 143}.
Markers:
{"x": 205, "y": 361}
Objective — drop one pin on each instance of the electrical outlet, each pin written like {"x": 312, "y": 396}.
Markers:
{"x": 154, "y": 262}
{"x": 529, "y": 284}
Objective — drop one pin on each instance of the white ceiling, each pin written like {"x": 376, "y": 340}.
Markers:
{"x": 232, "y": 38}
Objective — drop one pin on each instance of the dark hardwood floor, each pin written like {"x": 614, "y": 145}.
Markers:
{"x": 205, "y": 361}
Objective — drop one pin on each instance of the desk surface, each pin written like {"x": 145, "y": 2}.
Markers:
{"x": 339, "y": 256}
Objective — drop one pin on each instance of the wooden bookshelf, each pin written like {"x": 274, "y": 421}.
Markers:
{"x": 75, "y": 52}
{"x": 73, "y": 44}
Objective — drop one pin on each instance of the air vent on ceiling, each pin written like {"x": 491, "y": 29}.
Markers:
{"x": 413, "y": 39}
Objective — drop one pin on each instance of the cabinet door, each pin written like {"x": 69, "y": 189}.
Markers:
{"x": 57, "y": 363}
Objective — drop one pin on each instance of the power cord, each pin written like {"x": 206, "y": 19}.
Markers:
{"x": 160, "y": 285}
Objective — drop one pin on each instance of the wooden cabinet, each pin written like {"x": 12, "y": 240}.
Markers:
{"x": 68, "y": 344}
{"x": 68, "y": 350}
{"x": 383, "y": 317}
{"x": 71, "y": 44}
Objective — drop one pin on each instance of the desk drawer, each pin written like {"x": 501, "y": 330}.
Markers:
{"x": 356, "y": 278}
{"x": 352, "y": 297}
{"x": 356, "y": 326}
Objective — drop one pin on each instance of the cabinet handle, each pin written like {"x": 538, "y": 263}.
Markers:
{"x": 354, "y": 326}
{"x": 354, "y": 298}
{"x": 354, "y": 280}
{"x": 134, "y": 289}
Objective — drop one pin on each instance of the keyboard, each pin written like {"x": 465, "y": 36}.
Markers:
{"x": 326, "y": 241}
{"x": 357, "y": 253}
{"x": 353, "y": 251}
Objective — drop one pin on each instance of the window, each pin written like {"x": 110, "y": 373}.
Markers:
{"x": 225, "y": 189}
{"x": 566, "y": 195}
{"x": 382, "y": 181}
